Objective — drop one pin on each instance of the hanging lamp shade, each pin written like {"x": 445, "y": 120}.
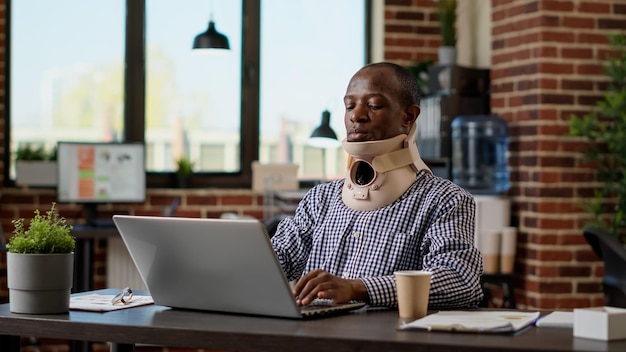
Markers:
{"x": 211, "y": 39}
{"x": 324, "y": 136}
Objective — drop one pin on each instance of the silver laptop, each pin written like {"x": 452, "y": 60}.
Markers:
{"x": 215, "y": 265}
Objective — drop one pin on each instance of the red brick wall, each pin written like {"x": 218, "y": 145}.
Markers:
{"x": 411, "y": 31}
{"x": 546, "y": 65}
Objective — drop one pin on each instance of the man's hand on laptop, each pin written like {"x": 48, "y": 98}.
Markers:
{"x": 321, "y": 284}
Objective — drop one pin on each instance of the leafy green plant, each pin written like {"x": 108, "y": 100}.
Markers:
{"x": 47, "y": 234}
{"x": 28, "y": 152}
{"x": 184, "y": 166}
{"x": 447, "y": 18}
{"x": 420, "y": 71}
{"x": 605, "y": 130}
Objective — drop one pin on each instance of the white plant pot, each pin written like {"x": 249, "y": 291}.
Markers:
{"x": 447, "y": 55}
{"x": 36, "y": 173}
{"x": 40, "y": 283}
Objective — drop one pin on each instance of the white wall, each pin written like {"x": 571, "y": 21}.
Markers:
{"x": 377, "y": 50}
{"x": 474, "y": 33}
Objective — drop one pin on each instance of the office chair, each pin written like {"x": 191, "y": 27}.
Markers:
{"x": 613, "y": 253}
{"x": 271, "y": 225}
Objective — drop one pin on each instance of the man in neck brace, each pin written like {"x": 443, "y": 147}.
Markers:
{"x": 390, "y": 213}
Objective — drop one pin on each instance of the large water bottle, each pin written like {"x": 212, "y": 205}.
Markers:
{"x": 479, "y": 154}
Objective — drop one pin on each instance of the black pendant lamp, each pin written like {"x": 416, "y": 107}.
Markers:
{"x": 324, "y": 136}
{"x": 211, "y": 39}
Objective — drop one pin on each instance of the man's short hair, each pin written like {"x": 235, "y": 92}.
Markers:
{"x": 409, "y": 87}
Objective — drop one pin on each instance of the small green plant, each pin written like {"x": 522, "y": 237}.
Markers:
{"x": 606, "y": 133}
{"x": 184, "y": 166}
{"x": 447, "y": 18}
{"x": 28, "y": 152}
{"x": 47, "y": 234}
{"x": 420, "y": 71}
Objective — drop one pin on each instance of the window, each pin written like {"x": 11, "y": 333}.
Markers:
{"x": 260, "y": 101}
{"x": 66, "y": 72}
{"x": 193, "y": 98}
{"x": 306, "y": 62}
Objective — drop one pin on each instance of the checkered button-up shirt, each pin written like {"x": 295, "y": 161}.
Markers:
{"x": 430, "y": 227}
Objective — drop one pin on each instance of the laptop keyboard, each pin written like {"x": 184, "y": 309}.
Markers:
{"x": 318, "y": 303}
{"x": 326, "y": 306}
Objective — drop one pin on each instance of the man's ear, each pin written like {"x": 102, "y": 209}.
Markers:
{"x": 412, "y": 111}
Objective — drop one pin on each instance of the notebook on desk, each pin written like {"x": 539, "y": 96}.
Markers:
{"x": 222, "y": 265}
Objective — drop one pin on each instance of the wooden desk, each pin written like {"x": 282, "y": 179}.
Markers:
{"x": 362, "y": 331}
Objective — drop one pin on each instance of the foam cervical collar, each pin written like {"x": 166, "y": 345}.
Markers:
{"x": 379, "y": 172}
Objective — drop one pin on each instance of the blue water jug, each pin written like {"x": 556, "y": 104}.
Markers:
{"x": 479, "y": 154}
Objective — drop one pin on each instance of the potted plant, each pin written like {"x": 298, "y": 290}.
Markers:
{"x": 184, "y": 169}
{"x": 35, "y": 166}
{"x": 40, "y": 264}
{"x": 447, "y": 19}
{"x": 420, "y": 71}
{"x": 604, "y": 129}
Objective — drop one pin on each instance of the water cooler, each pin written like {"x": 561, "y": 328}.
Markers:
{"x": 479, "y": 154}
{"x": 459, "y": 139}
{"x": 452, "y": 91}
{"x": 479, "y": 164}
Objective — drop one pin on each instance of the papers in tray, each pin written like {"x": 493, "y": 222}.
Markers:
{"x": 474, "y": 321}
{"x": 102, "y": 303}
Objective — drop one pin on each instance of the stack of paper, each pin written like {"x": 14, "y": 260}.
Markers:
{"x": 557, "y": 320}
{"x": 474, "y": 321}
{"x": 102, "y": 303}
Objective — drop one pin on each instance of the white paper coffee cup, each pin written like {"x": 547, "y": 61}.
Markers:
{"x": 508, "y": 245}
{"x": 490, "y": 250}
